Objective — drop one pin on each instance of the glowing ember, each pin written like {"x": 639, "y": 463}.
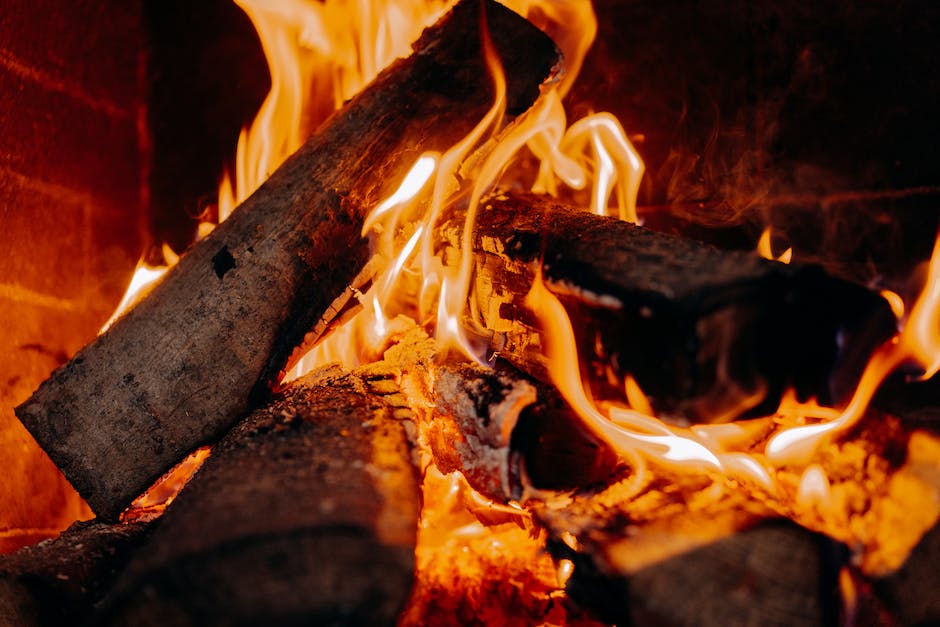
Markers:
{"x": 152, "y": 503}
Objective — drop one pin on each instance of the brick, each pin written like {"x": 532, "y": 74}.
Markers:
{"x": 36, "y": 499}
{"x": 52, "y": 137}
{"x": 88, "y": 48}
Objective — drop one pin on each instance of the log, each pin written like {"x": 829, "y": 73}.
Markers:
{"x": 305, "y": 513}
{"x": 772, "y": 574}
{"x": 911, "y": 595}
{"x": 212, "y": 338}
{"x": 478, "y": 560}
{"x": 700, "y": 329}
{"x": 683, "y": 551}
{"x": 58, "y": 581}
{"x": 506, "y": 432}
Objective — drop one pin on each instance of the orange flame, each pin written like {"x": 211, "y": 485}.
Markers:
{"x": 627, "y": 431}
{"x": 145, "y": 278}
{"x": 319, "y": 55}
{"x": 765, "y": 251}
{"x": 593, "y": 152}
{"x": 917, "y": 343}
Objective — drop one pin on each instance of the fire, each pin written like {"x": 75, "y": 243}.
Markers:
{"x": 918, "y": 344}
{"x": 319, "y": 55}
{"x": 764, "y": 249}
{"x": 145, "y": 277}
{"x": 593, "y": 162}
{"x": 152, "y": 503}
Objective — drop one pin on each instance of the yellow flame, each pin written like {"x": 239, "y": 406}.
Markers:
{"x": 636, "y": 399}
{"x": 814, "y": 490}
{"x": 305, "y": 41}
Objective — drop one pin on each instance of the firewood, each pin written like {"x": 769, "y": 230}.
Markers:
{"x": 772, "y": 574}
{"x": 505, "y": 431}
{"x": 912, "y": 594}
{"x": 188, "y": 361}
{"x": 58, "y": 581}
{"x": 305, "y": 513}
{"x": 916, "y": 403}
{"x": 699, "y": 329}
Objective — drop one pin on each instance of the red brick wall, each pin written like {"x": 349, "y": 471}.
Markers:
{"x": 71, "y": 218}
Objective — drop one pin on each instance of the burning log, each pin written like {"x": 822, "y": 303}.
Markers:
{"x": 628, "y": 552}
{"x": 188, "y": 361}
{"x": 60, "y": 580}
{"x": 305, "y": 513}
{"x": 775, "y": 573}
{"x": 705, "y": 333}
{"x": 504, "y": 431}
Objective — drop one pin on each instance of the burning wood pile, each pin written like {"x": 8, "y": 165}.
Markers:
{"x": 431, "y": 397}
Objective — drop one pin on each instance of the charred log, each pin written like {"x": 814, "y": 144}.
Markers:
{"x": 505, "y": 431}
{"x": 306, "y": 513}
{"x": 179, "y": 369}
{"x": 917, "y": 403}
{"x": 58, "y": 581}
{"x": 911, "y": 595}
{"x": 775, "y": 573}
{"x": 701, "y": 330}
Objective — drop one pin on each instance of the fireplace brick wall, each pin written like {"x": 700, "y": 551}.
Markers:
{"x": 72, "y": 168}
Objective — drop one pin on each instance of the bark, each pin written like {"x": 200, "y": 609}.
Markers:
{"x": 186, "y": 363}
{"x": 306, "y": 513}
{"x": 58, "y": 581}
{"x": 700, "y": 329}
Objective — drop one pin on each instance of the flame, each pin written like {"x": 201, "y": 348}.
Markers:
{"x": 144, "y": 279}
{"x": 593, "y": 152}
{"x": 764, "y": 249}
{"x": 152, "y": 503}
{"x": 849, "y": 592}
{"x": 895, "y": 302}
{"x": 917, "y": 343}
{"x": 319, "y": 55}
{"x": 627, "y": 431}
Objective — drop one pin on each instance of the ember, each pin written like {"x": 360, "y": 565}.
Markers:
{"x": 425, "y": 365}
